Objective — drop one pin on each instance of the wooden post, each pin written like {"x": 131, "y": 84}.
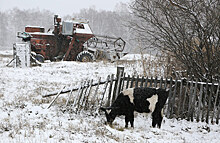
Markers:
{"x": 209, "y": 103}
{"x": 193, "y": 100}
{"x": 180, "y": 98}
{"x": 190, "y": 100}
{"x": 173, "y": 98}
{"x": 146, "y": 82}
{"x": 165, "y": 84}
{"x": 155, "y": 82}
{"x": 184, "y": 98}
{"x": 119, "y": 69}
{"x": 151, "y": 81}
{"x": 132, "y": 81}
{"x": 110, "y": 92}
{"x": 123, "y": 82}
{"x": 127, "y": 85}
{"x": 216, "y": 98}
{"x": 142, "y": 81}
{"x": 169, "y": 98}
{"x": 136, "y": 83}
{"x": 118, "y": 85}
{"x": 200, "y": 102}
{"x": 204, "y": 105}
{"x": 217, "y": 119}
{"x": 104, "y": 90}
{"x": 161, "y": 82}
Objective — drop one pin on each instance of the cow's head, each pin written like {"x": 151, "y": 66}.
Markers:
{"x": 110, "y": 113}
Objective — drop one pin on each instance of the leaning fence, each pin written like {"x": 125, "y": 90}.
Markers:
{"x": 188, "y": 99}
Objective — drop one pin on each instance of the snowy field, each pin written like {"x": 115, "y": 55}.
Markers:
{"x": 24, "y": 116}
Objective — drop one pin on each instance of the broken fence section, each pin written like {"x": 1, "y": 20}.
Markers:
{"x": 188, "y": 99}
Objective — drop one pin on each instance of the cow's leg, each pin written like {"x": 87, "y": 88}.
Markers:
{"x": 160, "y": 118}
{"x": 157, "y": 118}
{"x": 131, "y": 118}
{"x": 126, "y": 121}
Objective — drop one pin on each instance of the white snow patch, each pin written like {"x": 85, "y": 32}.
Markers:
{"x": 25, "y": 117}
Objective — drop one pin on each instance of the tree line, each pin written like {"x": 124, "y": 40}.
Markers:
{"x": 107, "y": 23}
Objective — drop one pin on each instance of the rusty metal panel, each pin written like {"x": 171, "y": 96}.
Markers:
{"x": 34, "y": 29}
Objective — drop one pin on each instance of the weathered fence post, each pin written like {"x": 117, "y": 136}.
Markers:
{"x": 209, "y": 102}
{"x": 109, "y": 102}
{"x": 193, "y": 100}
{"x": 216, "y": 98}
{"x": 180, "y": 98}
{"x": 119, "y": 69}
{"x": 169, "y": 98}
{"x": 184, "y": 98}
{"x": 206, "y": 94}
{"x": 173, "y": 98}
{"x": 200, "y": 101}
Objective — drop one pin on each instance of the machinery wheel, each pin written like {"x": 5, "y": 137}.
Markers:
{"x": 39, "y": 57}
{"x": 85, "y": 56}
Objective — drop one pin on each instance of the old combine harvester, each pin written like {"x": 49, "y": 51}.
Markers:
{"x": 69, "y": 41}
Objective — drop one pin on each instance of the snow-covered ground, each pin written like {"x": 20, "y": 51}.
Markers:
{"x": 24, "y": 116}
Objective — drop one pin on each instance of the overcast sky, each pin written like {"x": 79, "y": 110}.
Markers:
{"x": 61, "y": 7}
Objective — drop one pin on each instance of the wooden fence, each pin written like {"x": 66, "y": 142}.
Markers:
{"x": 191, "y": 100}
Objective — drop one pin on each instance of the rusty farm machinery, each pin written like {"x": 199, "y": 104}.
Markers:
{"x": 71, "y": 40}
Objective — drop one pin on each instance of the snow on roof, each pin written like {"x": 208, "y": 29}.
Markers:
{"x": 34, "y": 26}
{"x": 86, "y": 29}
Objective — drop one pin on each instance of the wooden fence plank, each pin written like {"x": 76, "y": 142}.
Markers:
{"x": 109, "y": 100}
{"x": 127, "y": 85}
{"x": 193, "y": 100}
{"x": 80, "y": 96}
{"x": 96, "y": 91}
{"x": 146, "y": 82}
{"x": 81, "y": 103}
{"x": 132, "y": 81}
{"x": 136, "y": 82}
{"x": 87, "y": 95}
{"x": 190, "y": 100}
{"x": 142, "y": 81}
{"x": 118, "y": 85}
{"x": 161, "y": 82}
{"x": 173, "y": 98}
{"x": 104, "y": 90}
{"x": 77, "y": 96}
{"x": 215, "y": 103}
{"x": 165, "y": 84}
{"x": 169, "y": 99}
{"x": 184, "y": 98}
{"x": 180, "y": 98}
{"x": 218, "y": 114}
{"x": 155, "y": 82}
{"x": 69, "y": 96}
{"x": 204, "y": 100}
{"x": 151, "y": 81}
{"x": 55, "y": 98}
{"x": 209, "y": 103}
{"x": 123, "y": 82}
{"x": 200, "y": 102}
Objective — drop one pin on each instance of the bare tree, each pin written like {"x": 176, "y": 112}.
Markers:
{"x": 187, "y": 29}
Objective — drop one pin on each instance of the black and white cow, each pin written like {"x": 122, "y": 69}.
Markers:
{"x": 142, "y": 100}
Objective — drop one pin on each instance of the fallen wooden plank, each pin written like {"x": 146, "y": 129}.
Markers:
{"x": 55, "y": 98}
{"x": 73, "y": 89}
